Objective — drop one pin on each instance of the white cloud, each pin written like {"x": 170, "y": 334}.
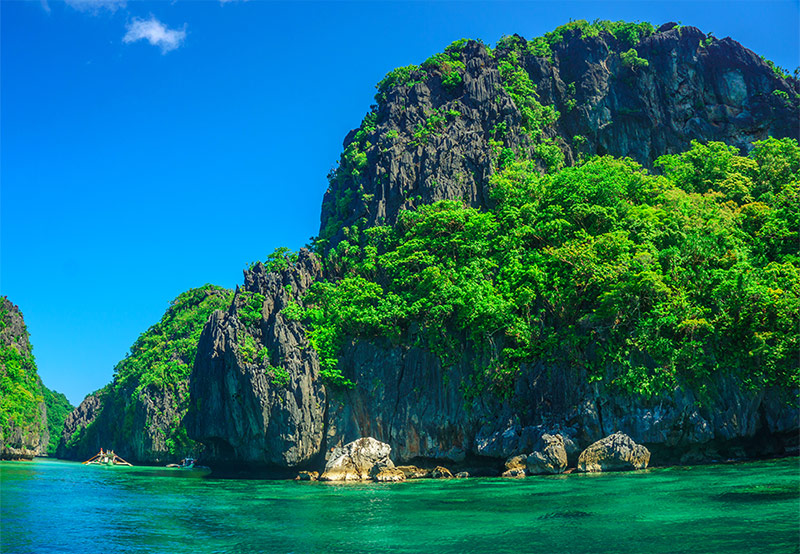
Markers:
{"x": 154, "y": 32}
{"x": 96, "y": 6}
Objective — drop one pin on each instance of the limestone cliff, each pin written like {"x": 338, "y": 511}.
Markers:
{"x": 23, "y": 414}
{"x": 259, "y": 398}
{"x": 439, "y": 131}
{"x": 427, "y": 141}
{"x": 433, "y": 136}
{"x": 140, "y": 413}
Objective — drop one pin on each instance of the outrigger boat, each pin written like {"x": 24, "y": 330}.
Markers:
{"x": 106, "y": 458}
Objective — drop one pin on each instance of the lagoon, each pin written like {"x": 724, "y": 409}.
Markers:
{"x": 57, "y": 506}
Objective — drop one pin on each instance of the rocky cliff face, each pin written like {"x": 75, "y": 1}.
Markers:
{"x": 259, "y": 398}
{"x": 140, "y": 414}
{"x": 432, "y": 138}
{"x": 136, "y": 425}
{"x": 404, "y": 397}
{"x": 23, "y": 414}
{"x": 427, "y": 141}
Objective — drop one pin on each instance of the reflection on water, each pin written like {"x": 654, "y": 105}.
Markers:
{"x": 52, "y": 506}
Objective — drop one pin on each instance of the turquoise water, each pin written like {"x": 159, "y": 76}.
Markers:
{"x": 52, "y": 506}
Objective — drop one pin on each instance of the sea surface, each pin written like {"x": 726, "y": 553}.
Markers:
{"x": 53, "y": 506}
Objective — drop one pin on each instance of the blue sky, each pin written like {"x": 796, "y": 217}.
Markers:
{"x": 147, "y": 148}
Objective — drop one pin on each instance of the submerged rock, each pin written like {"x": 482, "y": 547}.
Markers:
{"x": 617, "y": 452}
{"x": 355, "y": 461}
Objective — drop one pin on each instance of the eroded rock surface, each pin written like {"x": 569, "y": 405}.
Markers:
{"x": 258, "y": 398}
{"x": 361, "y": 460}
{"x": 689, "y": 90}
{"x": 692, "y": 88}
{"x": 23, "y": 429}
{"x": 617, "y": 452}
{"x": 551, "y": 458}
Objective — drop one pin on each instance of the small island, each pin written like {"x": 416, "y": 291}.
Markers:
{"x": 558, "y": 240}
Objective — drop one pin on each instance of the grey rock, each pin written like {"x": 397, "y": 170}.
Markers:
{"x": 550, "y": 458}
{"x": 240, "y": 411}
{"x": 360, "y": 460}
{"x": 402, "y": 395}
{"x": 441, "y": 472}
{"x": 516, "y": 462}
{"x": 617, "y": 452}
{"x": 75, "y": 425}
{"x": 722, "y": 92}
{"x": 136, "y": 424}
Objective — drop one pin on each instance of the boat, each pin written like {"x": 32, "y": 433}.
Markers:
{"x": 187, "y": 463}
{"x": 106, "y": 458}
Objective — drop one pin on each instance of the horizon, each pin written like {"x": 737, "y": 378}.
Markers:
{"x": 147, "y": 147}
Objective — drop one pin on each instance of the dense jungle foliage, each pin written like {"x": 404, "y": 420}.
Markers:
{"x": 163, "y": 355}
{"x": 645, "y": 281}
{"x": 20, "y": 387}
{"x": 58, "y": 408}
{"x": 160, "y": 362}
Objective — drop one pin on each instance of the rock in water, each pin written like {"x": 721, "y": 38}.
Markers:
{"x": 140, "y": 413}
{"x": 384, "y": 473}
{"x": 425, "y": 142}
{"x": 516, "y": 462}
{"x": 616, "y": 452}
{"x": 515, "y": 466}
{"x": 355, "y": 461}
{"x": 441, "y": 472}
{"x": 552, "y": 458}
{"x": 414, "y": 472}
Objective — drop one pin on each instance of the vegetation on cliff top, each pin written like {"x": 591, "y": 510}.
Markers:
{"x": 348, "y": 179}
{"x": 646, "y": 282}
{"x": 163, "y": 355}
{"x": 160, "y": 361}
{"x": 21, "y": 391}
{"x": 20, "y": 387}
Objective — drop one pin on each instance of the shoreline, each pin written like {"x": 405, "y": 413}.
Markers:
{"x": 292, "y": 475}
